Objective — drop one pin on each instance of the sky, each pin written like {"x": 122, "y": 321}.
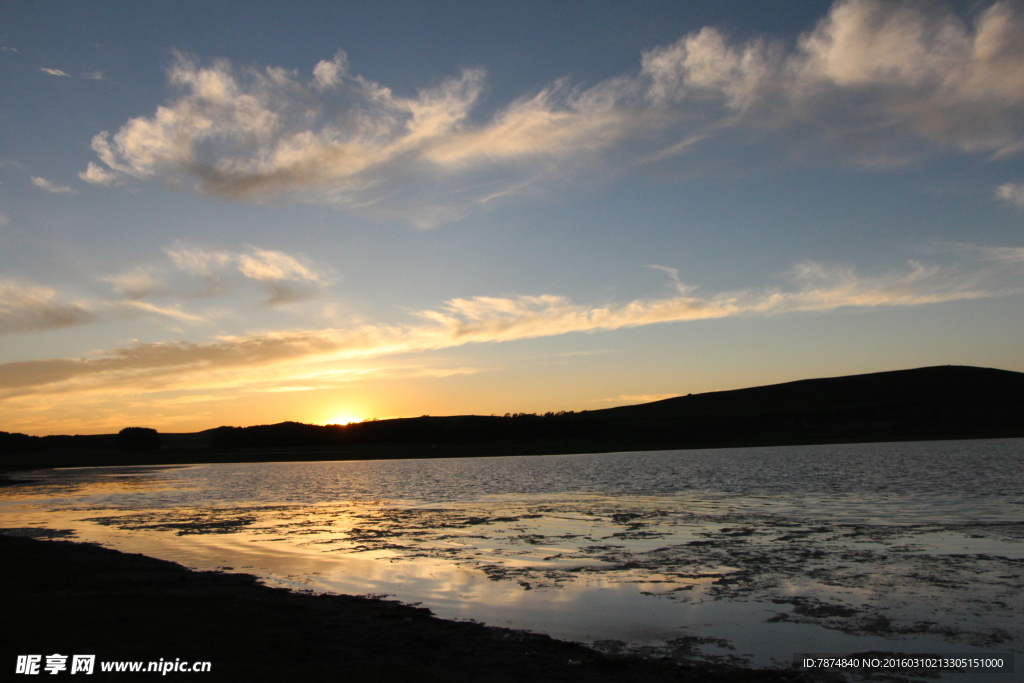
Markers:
{"x": 226, "y": 213}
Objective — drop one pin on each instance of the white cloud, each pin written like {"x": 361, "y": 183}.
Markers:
{"x": 203, "y": 262}
{"x": 259, "y": 133}
{"x": 1012, "y": 193}
{"x": 300, "y": 356}
{"x": 881, "y": 77}
{"x": 703, "y": 64}
{"x": 173, "y": 312}
{"x": 30, "y": 308}
{"x": 1005, "y": 254}
{"x": 252, "y": 134}
{"x": 999, "y": 255}
{"x": 54, "y": 72}
{"x": 874, "y": 82}
{"x": 135, "y": 284}
{"x": 284, "y": 277}
{"x": 94, "y": 75}
{"x": 673, "y": 274}
{"x": 328, "y": 73}
{"x": 50, "y": 186}
{"x": 271, "y": 266}
{"x": 97, "y": 175}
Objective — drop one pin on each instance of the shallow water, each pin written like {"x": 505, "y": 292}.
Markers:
{"x": 735, "y": 554}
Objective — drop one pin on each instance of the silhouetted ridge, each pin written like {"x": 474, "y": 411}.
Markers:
{"x": 935, "y": 402}
{"x": 426, "y": 430}
{"x": 946, "y": 402}
{"x": 944, "y": 386}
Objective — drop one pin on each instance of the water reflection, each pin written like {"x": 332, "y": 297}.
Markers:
{"x": 737, "y": 552}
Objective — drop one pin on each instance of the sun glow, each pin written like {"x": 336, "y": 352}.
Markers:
{"x": 343, "y": 419}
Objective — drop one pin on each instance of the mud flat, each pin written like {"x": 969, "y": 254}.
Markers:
{"x": 621, "y": 568}
{"x": 716, "y": 562}
{"x": 73, "y": 598}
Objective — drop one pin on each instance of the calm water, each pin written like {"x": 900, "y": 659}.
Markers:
{"x": 731, "y": 554}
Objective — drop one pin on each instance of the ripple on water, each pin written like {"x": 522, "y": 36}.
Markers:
{"x": 727, "y": 554}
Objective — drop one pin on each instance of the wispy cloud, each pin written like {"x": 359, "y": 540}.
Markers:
{"x": 877, "y": 82}
{"x": 1012, "y": 193}
{"x": 303, "y": 355}
{"x": 206, "y": 263}
{"x": 90, "y": 75}
{"x": 173, "y": 312}
{"x": 50, "y": 186}
{"x": 673, "y": 273}
{"x": 30, "y": 308}
{"x": 166, "y": 289}
{"x": 136, "y": 283}
{"x": 95, "y": 174}
{"x": 1001, "y": 255}
{"x": 881, "y": 79}
{"x": 284, "y": 277}
{"x": 328, "y": 73}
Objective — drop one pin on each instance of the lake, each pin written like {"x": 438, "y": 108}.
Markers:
{"x": 745, "y": 555}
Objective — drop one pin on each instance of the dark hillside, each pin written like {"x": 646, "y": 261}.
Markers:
{"x": 942, "y": 402}
{"x": 945, "y": 386}
{"x": 947, "y": 402}
{"x": 941, "y": 385}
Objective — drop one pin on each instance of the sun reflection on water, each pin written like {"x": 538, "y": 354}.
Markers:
{"x": 752, "y": 569}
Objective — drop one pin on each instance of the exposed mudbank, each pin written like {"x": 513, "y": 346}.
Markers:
{"x": 961, "y": 583}
{"x": 731, "y": 557}
{"x": 122, "y": 607}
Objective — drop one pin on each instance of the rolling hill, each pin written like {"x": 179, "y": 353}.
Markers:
{"x": 944, "y": 402}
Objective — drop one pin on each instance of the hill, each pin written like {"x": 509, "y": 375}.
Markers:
{"x": 957, "y": 387}
{"x": 946, "y": 402}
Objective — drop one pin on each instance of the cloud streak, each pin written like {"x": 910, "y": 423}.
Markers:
{"x": 1012, "y": 193}
{"x": 94, "y": 174}
{"x": 50, "y": 186}
{"x": 880, "y": 79}
{"x": 300, "y": 356}
{"x": 878, "y": 82}
{"x": 30, "y": 308}
{"x": 284, "y": 278}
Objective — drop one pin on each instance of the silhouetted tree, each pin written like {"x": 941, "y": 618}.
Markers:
{"x": 138, "y": 439}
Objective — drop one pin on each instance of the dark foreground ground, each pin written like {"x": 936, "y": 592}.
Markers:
{"x": 71, "y": 598}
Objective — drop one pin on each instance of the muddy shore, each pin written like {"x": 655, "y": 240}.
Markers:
{"x": 73, "y": 598}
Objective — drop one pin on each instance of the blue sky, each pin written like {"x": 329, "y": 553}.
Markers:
{"x": 224, "y": 213}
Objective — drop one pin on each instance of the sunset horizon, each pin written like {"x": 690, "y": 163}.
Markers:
{"x": 338, "y": 212}
{"x": 583, "y": 340}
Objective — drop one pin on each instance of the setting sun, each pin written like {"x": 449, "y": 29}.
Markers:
{"x": 344, "y": 419}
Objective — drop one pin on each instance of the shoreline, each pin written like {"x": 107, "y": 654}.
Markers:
{"x": 75, "y": 598}
{"x": 48, "y": 460}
